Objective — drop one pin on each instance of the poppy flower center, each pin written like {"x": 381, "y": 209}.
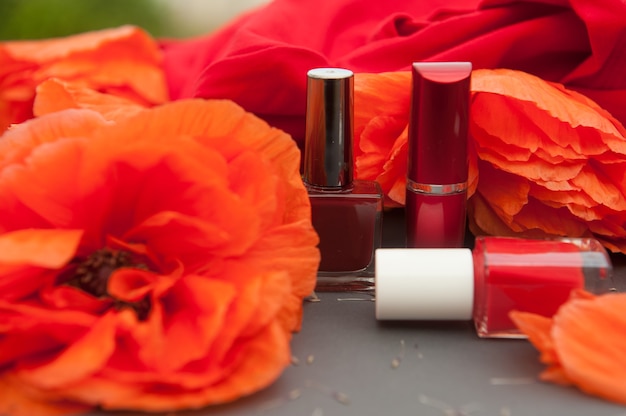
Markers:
{"x": 92, "y": 276}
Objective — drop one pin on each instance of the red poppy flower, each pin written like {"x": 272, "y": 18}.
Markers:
{"x": 154, "y": 263}
{"x": 595, "y": 364}
{"x": 124, "y": 61}
{"x": 544, "y": 160}
{"x": 550, "y": 161}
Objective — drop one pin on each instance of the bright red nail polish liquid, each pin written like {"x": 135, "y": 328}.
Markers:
{"x": 532, "y": 275}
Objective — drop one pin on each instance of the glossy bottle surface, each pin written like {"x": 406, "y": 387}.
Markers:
{"x": 349, "y": 227}
{"x": 535, "y": 276}
{"x": 435, "y": 220}
{"x": 436, "y": 192}
{"x": 485, "y": 284}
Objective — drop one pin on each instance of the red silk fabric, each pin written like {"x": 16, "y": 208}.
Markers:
{"x": 260, "y": 59}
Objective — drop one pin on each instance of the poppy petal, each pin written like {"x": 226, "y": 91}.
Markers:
{"x": 261, "y": 359}
{"x": 17, "y": 400}
{"x": 84, "y": 357}
{"x": 124, "y": 62}
{"x": 42, "y": 248}
{"x": 36, "y": 332}
{"x": 55, "y": 95}
{"x": 299, "y": 260}
{"x": 17, "y": 143}
{"x": 559, "y": 144}
{"x": 595, "y": 364}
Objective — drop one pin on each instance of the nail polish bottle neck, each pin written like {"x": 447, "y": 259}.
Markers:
{"x": 329, "y": 133}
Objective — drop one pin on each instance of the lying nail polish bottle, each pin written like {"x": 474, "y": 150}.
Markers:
{"x": 436, "y": 195}
{"x": 346, "y": 213}
{"x": 500, "y": 275}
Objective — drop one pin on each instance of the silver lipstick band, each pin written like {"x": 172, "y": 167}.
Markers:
{"x": 430, "y": 189}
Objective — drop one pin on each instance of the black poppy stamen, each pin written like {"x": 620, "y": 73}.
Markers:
{"x": 92, "y": 276}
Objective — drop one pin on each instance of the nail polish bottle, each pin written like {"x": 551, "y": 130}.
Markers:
{"x": 500, "y": 275}
{"x": 346, "y": 213}
{"x": 436, "y": 194}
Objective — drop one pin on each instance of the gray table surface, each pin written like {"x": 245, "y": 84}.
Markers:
{"x": 347, "y": 363}
{"x": 350, "y": 364}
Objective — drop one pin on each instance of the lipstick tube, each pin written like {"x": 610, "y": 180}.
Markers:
{"x": 436, "y": 195}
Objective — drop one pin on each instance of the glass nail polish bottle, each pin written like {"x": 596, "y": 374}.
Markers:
{"x": 436, "y": 189}
{"x": 500, "y": 275}
{"x": 346, "y": 213}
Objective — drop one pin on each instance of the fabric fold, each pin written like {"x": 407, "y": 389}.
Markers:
{"x": 578, "y": 43}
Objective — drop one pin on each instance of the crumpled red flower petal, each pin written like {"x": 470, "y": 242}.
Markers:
{"x": 558, "y": 157}
{"x": 55, "y": 95}
{"x": 583, "y": 344}
{"x": 123, "y": 62}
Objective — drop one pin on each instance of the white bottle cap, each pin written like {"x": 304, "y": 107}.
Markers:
{"x": 424, "y": 284}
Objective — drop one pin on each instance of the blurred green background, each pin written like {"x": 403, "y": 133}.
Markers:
{"x": 36, "y": 19}
{"x": 32, "y": 19}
